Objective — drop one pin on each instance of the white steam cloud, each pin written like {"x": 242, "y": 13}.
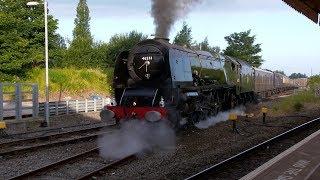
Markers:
{"x": 136, "y": 137}
{"x": 220, "y": 117}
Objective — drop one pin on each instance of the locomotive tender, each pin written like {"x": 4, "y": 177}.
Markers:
{"x": 157, "y": 80}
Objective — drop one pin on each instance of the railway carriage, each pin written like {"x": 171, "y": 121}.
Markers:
{"x": 281, "y": 83}
{"x": 286, "y": 82}
{"x": 264, "y": 82}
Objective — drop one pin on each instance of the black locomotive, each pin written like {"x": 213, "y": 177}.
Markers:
{"x": 157, "y": 80}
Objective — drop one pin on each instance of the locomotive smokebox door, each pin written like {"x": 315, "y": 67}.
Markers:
{"x": 146, "y": 63}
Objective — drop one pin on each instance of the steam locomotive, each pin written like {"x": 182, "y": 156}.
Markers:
{"x": 157, "y": 81}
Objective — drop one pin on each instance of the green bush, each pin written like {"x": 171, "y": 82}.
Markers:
{"x": 314, "y": 82}
{"x": 298, "y": 106}
{"x": 73, "y": 81}
{"x": 296, "y": 102}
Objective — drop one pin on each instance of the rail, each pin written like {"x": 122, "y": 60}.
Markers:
{"x": 76, "y": 157}
{"x": 93, "y": 174}
{"x": 203, "y": 174}
{"x": 32, "y": 143}
{"x": 55, "y": 164}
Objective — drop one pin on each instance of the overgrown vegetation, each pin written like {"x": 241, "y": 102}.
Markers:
{"x": 72, "y": 82}
{"x": 296, "y": 102}
{"x": 314, "y": 82}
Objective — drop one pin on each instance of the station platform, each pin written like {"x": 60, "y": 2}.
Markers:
{"x": 302, "y": 161}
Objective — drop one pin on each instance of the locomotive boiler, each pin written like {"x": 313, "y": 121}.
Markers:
{"x": 157, "y": 81}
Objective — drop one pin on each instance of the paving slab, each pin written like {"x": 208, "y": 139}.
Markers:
{"x": 302, "y": 161}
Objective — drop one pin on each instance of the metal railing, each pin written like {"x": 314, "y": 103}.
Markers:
{"x": 19, "y": 101}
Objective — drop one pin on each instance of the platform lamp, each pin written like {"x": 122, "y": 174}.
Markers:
{"x": 45, "y": 4}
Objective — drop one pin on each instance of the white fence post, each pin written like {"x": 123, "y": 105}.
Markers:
{"x": 86, "y": 106}
{"x": 1, "y": 102}
{"x": 35, "y": 100}
{"x": 77, "y": 106}
{"x": 67, "y": 107}
{"x": 103, "y": 102}
{"x": 94, "y": 105}
{"x": 18, "y": 101}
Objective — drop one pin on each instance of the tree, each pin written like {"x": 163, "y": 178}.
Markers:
{"x": 122, "y": 42}
{"x": 241, "y": 45}
{"x": 82, "y": 23}
{"x": 80, "y": 50}
{"x": 58, "y": 53}
{"x": 22, "y": 38}
{"x": 205, "y": 46}
{"x": 99, "y": 55}
{"x": 280, "y": 72}
{"x": 184, "y": 37}
{"x": 297, "y": 76}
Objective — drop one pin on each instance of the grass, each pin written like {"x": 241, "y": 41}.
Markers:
{"x": 73, "y": 82}
{"x": 296, "y": 102}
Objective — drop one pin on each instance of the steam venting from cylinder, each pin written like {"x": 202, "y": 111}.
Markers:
{"x": 167, "y": 12}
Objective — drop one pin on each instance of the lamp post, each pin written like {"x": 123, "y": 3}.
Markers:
{"x": 45, "y": 4}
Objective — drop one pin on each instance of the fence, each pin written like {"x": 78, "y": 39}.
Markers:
{"x": 21, "y": 101}
{"x": 73, "y": 107}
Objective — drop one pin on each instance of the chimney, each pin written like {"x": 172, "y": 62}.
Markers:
{"x": 158, "y": 38}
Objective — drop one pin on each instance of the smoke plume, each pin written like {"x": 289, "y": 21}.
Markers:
{"x": 137, "y": 137}
{"x": 220, "y": 117}
{"x": 167, "y": 12}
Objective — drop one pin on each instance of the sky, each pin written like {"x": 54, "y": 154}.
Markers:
{"x": 290, "y": 41}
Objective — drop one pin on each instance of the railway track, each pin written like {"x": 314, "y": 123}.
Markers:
{"x": 98, "y": 172}
{"x": 80, "y": 160}
{"x": 224, "y": 166}
{"x": 45, "y": 131}
{"x": 84, "y": 159}
{"x": 46, "y": 141}
{"x": 54, "y": 165}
